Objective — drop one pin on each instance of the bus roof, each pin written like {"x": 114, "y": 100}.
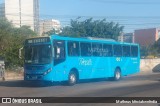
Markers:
{"x": 85, "y": 39}
{"x": 91, "y": 39}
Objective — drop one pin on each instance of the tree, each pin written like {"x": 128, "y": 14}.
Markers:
{"x": 93, "y": 28}
{"x": 11, "y": 40}
{"x": 151, "y": 50}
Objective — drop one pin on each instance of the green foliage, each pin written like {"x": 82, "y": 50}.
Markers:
{"x": 151, "y": 50}
{"x": 11, "y": 40}
{"x": 92, "y": 28}
{"x": 155, "y": 48}
{"x": 53, "y": 31}
{"x": 157, "y": 45}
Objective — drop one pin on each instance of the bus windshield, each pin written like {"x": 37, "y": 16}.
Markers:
{"x": 38, "y": 54}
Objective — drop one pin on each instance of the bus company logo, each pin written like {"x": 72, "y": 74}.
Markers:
{"x": 6, "y": 100}
{"x": 85, "y": 62}
{"x": 118, "y": 59}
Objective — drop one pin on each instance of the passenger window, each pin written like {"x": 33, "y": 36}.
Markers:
{"x": 86, "y": 49}
{"x": 97, "y": 49}
{"x": 134, "y": 51}
{"x": 117, "y": 50}
{"x": 126, "y": 51}
{"x": 73, "y": 48}
{"x": 59, "y": 51}
{"x": 107, "y": 50}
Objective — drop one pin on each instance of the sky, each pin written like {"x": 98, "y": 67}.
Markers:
{"x": 100, "y": 7}
{"x": 132, "y": 14}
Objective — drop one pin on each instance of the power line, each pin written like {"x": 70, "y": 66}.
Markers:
{"x": 128, "y": 2}
{"x": 130, "y": 22}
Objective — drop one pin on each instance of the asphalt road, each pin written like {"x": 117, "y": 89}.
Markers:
{"x": 139, "y": 85}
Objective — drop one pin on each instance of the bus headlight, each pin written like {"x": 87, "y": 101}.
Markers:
{"x": 49, "y": 70}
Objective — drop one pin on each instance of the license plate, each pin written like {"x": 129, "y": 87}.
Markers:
{"x": 34, "y": 77}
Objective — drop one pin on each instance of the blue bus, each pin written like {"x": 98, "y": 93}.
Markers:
{"x": 61, "y": 58}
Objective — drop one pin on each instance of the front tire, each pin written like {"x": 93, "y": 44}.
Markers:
{"x": 72, "y": 78}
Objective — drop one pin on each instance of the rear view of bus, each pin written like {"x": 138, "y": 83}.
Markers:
{"x": 38, "y": 59}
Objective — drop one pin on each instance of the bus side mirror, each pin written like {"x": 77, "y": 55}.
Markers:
{"x": 20, "y": 53}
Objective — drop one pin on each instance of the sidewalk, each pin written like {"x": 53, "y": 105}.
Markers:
{"x": 13, "y": 75}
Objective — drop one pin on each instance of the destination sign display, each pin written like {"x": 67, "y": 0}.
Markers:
{"x": 37, "y": 40}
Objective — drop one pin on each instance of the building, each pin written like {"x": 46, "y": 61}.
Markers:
{"x": 146, "y": 37}
{"x": 2, "y": 10}
{"x": 23, "y": 12}
{"x": 127, "y": 37}
{"x": 48, "y": 25}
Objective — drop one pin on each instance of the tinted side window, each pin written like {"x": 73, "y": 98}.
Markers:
{"x": 86, "y": 49}
{"x": 134, "y": 51}
{"x": 126, "y": 51}
{"x": 97, "y": 49}
{"x": 73, "y": 48}
{"x": 117, "y": 50}
{"x": 107, "y": 50}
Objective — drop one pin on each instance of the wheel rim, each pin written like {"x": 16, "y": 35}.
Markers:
{"x": 72, "y": 78}
{"x": 118, "y": 75}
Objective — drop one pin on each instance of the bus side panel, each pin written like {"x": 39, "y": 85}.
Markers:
{"x": 60, "y": 71}
{"x": 126, "y": 66}
{"x": 98, "y": 67}
{"x": 120, "y": 62}
{"x": 81, "y": 64}
{"x": 85, "y": 67}
{"x": 72, "y": 64}
{"x": 107, "y": 62}
{"x": 135, "y": 63}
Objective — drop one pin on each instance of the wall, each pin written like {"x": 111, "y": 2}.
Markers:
{"x": 148, "y": 64}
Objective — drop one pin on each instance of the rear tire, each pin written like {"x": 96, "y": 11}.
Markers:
{"x": 72, "y": 78}
{"x": 117, "y": 74}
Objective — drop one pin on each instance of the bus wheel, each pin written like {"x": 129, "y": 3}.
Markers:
{"x": 72, "y": 79}
{"x": 117, "y": 74}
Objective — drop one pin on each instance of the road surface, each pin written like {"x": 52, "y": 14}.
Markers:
{"x": 139, "y": 85}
